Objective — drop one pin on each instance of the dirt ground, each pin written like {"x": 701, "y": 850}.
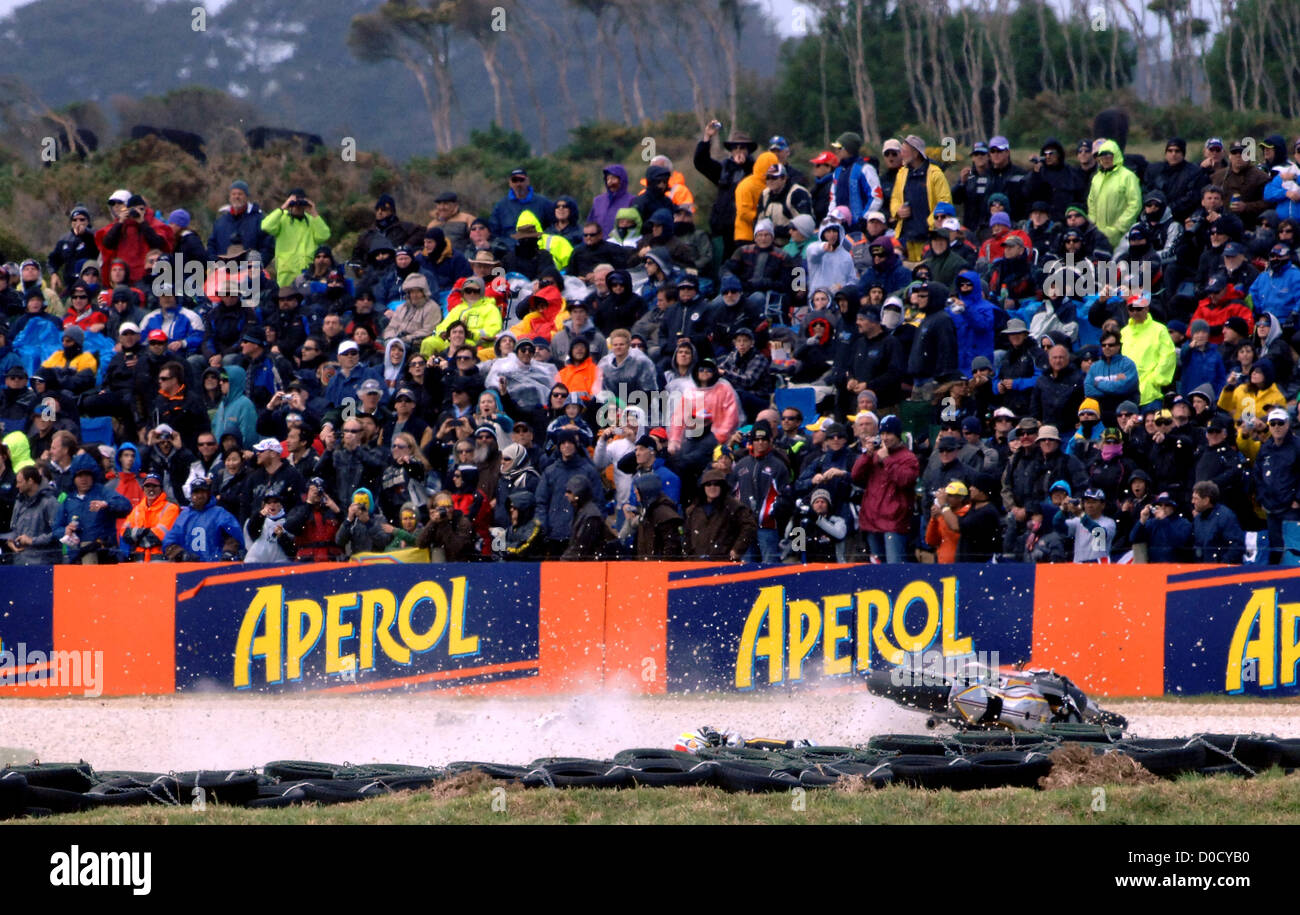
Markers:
{"x": 235, "y": 731}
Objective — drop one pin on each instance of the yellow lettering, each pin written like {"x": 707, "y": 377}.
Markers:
{"x": 805, "y": 626}
{"x": 418, "y": 642}
{"x": 265, "y": 610}
{"x": 877, "y": 612}
{"x": 769, "y": 606}
{"x": 336, "y": 630}
{"x": 913, "y": 591}
{"x": 1290, "y": 648}
{"x": 1261, "y": 609}
{"x": 836, "y": 632}
{"x": 951, "y": 644}
{"x": 301, "y": 643}
{"x": 457, "y": 643}
{"x": 384, "y": 603}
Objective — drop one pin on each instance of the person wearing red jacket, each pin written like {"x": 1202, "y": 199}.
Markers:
{"x": 1222, "y": 301}
{"x": 134, "y": 231}
{"x": 316, "y": 541}
{"x": 889, "y": 476}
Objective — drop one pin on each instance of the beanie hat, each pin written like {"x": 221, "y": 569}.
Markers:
{"x": 764, "y": 225}
{"x": 75, "y": 333}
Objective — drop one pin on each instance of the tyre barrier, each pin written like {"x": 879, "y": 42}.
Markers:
{"x": 965, "y": 761}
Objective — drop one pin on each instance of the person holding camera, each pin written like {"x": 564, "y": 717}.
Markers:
{"x": 316, "y": 538}
{"x": 1084, "y": 521}
{"x": 134, "y": 231}
{"x": 298, "y": 230}
{"x": 449, "y": 535}
{"x": 823, "y": 529}
{"x": 362, "y": 531}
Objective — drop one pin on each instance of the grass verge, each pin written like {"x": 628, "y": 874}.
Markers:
{"x": 1272, "y": 798}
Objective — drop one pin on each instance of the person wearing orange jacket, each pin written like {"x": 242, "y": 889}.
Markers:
{"x": 748, "y": 193}
{"x": 944, "y": 534}
{"x": 148, "y": 523}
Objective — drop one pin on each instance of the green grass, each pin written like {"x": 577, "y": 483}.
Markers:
{"x": 1272, "y": 798}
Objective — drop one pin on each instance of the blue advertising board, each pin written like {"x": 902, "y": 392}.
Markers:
{"x": 356, "y": 628}
{"x": 739, "y": 627}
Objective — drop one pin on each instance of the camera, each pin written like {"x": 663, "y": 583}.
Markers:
{"x": 136, "y": 212}
{"x": 1034, "y": 160}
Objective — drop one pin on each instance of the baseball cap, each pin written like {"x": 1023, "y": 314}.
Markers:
{"x": 1004, "y": 413}
{"x": 201, "y": 482}
{"x": 1234, "y": 249}
{"x": 121, "y": 195}
{"x": 891, "y": 424}
{"x": 1280, "y": 251}
{"x": 956, "y": 488}
{"x": 406, "y": 393}
{"x": 892, "y": 145}
{"x": 1214, "y": 142}
{"x": 1278, "y": 413}
{"x": 151, "y": 478}
{"x": 1217, "y": 424}
{"x": 16, "y": 371}
{"x": 164, "y": 430}
{"x": 980, "y": 147}
{"x": 1012, "y": 241}
{"x": 1165, "y": 499}
{"x": 999, "y": 142}
{"x": 949, "y": 443}
{"x": 267, "y": 444}
{"x": 825, "y": 158}
{"x": 158, "y": 335}
{"x": 778, "y": 142}
{"x": 130, "y": 327}
{"x": 1094, "y": 493}
{"x": 349, "y": 346}
{"x": 370, "y": 386}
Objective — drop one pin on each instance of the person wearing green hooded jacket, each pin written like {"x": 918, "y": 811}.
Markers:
{"x": 236, "y": 412}
{"x": 1115, "y": 198}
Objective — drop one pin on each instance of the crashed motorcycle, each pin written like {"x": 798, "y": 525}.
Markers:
{"x": 970, "y": 695}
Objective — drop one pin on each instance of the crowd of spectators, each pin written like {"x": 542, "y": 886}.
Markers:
{"x": 1084, "y": 358}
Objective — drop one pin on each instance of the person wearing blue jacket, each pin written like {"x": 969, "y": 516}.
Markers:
{"x": 1167, "y": 534}
{"x": 236, "y": 412}
{"x": 505, "y": 215}
{"x": 886, "y": 268}
{"x": 1285, "y": 202}
{"x": 1200, "y": 362}
{"x": 86, "y": 521}
{"x": 1277, "y": 289}
{"x": 974, "y": 319}
{"x": 554, "y": 509}
{"x": 1216, "y": 533}
{"x": 1113, "y": 378}
{"x": 180, "y": 324}
{"x": 240, "y": 223}
{"x": 204, "y": 531}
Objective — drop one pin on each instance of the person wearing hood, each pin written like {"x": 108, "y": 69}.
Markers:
{"x": 1274, "y": 347}
{"x": 1276, "y": 291}
{"x": 1179, "y": 180}
{"x": 621, "y": 307}
{"x": 1055, "y": 180}
{"x": 86, "y": 521}
{"x": 439, "y": 257}
{"x": 886, "y": 268}
{"x": 655, "y": 194}
{"x": 75, "y": 248}
{"x": 240, "y": 223}
{"x": 748, "y": 195}
{"x": 362, "y": 530}
{"x": 589, "y": 532}
{"x": 918, "y": 189}
{"x": 267, "y": 538}
{"x": 557, "y": 512}
{"x": 855, "y": 182}
{"x": 1282, "y": 192}
{"x": 1159, "y": 228}
{"x": 235, "y": 412}
{"x": 803, "y": 232}
{"x": 398, "y": 231}
{"x": 418, "y": 315}
{"x": 830, "y": 264}
{"x": 204, "y": 531}
{"x": 520, "y": 199}
{"x": 615, "y": 197}
{"x": 1115, "y": 198}
{"x": 658, "y": 526}
{"x": 517, "y": 475}
{"x": 718, "y": 527}
{"x": 297, "y": 229}
{"x": 380, "y": 278}
{"x": 726, "y": 175}
{"x": 934, "y": 351}
{"x": 627, "y": 229}
{"x": 711, "y": 408}
{"x": 662, "y": 240}
{"x": 524, "y": 541}
{"x": 1243, "y": 186}
{"x": 973, "y": 318}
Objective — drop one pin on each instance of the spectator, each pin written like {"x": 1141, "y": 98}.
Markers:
{"x": 316, "y": 538}
{"x": 362, "y": 530}
{"x": 240, "y": 223}
{"x": 557, "y": 510}
{"x": 718, "y": 527}
{"x": 204, "y": 531}
{"x": 888, "y": 475}
{"x": 449, "y": 536}
{"x": 1167, "y": 535}
{"x": 1277, "y": 479}
{"x": 521, "y": 198}
{"x": 87, "y": 516}
{"x": 658, "y": 527}
{"x": 1216, "y": 535}
{"x": 921, "y": 188}
{"x": 590, "y": 533}
{"x": 1243, "y": 185}
{"x": 1276, "y": 291}
{"x": 1092, "y": 531}
{"x": 266, "y": 534}
{"x": 30, "y": 538}
{"x": 148, "y": 522}
{"x": 1113, "y": 378}
{"x": 1115, "y": 195}
{"x": 297, "y": 229}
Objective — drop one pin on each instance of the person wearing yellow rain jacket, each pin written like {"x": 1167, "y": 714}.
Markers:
{"x": 480, "y": 314}
{"x": 559, "y": 247}
{"x": 748, "y": 193}
{"x": 1249, "y": 400}
{"x": 1115, "y": 198}
{"x": 1147, "y": 342}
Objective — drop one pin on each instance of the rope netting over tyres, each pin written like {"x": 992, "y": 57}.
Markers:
{"x": 965, "y": 761}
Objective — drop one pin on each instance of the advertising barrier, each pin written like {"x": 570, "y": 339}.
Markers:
{"x": 506, "y": 628}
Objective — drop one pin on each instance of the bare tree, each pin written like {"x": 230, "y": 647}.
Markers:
{"x": 559, "y": 56}
{"x": 419, "y": 39}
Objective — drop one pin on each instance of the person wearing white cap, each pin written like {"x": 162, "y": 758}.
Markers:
{"x": 275, "y": 473}
{"x": 761, "y": 267}
{"x": 1277, "y": 479}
